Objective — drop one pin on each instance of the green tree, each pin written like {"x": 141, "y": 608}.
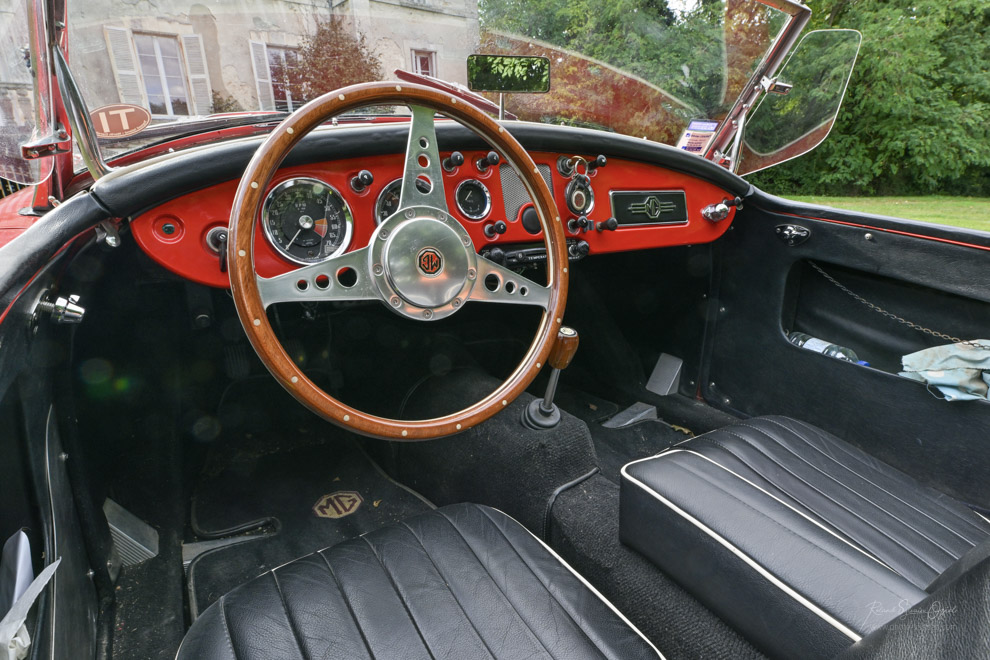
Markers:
{"x": 916, "y": 118}
{"x": 703, "y": 53}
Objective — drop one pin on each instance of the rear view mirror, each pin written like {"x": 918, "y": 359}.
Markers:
{"x": 508, "y": 73}
{"x": 785, "y": 126}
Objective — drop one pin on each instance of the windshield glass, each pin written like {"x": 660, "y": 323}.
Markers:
{"x": 644, "y": 68}
{"x": 25, "y": 104}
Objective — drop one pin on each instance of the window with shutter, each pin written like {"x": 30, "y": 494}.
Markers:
{"x": 262, "y": 76}
{"x": 163, "y": 74}
{"x": 283, "y": 69}
{"x": 199, "y": 76}
{"x": 124, "y": 64}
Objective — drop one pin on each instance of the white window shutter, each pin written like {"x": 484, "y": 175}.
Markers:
{"x": 262, "y": 75}
{"x": 125, "y": 69}
{"x": 199, "y": 76}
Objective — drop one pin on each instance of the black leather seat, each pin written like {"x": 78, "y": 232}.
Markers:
{"x": 463, "y": 581}
{"x": 803, "y": 542}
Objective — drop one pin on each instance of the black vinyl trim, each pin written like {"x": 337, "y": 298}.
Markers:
{"x": 774, "y": 204}
{"x": 28, "y": 253}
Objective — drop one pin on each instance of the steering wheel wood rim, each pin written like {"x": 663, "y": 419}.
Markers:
{"x": 251, "y": 308}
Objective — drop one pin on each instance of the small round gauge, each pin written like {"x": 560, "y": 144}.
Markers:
{"x": 473, "y": 199}
{"x": 388, "y": 201}
{"x": 307, "y": 220}
{"x": 389, "y": 197}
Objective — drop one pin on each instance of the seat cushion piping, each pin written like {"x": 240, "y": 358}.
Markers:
{"x": 770, "y": 577}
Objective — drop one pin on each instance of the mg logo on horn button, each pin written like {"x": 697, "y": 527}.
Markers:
{"x": 430, "y": 262}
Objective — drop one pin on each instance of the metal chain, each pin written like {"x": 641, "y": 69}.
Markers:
{"x": 895, "y": 317}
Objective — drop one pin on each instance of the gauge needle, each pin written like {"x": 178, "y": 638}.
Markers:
{"x": 295, "y": 236}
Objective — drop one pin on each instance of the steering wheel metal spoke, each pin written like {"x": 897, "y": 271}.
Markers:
{"x": 422, "y": 178}
{"x": 498, "y": 284}
{"x": 344, "y": 277}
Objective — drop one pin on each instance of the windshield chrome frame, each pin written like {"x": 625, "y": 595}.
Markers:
{"x": 720, "y": 146}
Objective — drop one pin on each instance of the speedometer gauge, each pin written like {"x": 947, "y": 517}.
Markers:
{"x": 306, "y": 220}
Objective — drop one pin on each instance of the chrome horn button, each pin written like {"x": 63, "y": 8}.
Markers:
{"x": 424, "y": 263}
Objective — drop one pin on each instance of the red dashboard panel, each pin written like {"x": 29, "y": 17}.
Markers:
{"x": 185, "y": 251}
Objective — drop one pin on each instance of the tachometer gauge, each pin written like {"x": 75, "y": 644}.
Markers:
{"x": 307, "y": 220}
{"x": 388, "y": 201}
{"x": 473, "y": 199}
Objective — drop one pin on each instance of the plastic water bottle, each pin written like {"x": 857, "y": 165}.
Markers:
{"x": 825, "y": 348}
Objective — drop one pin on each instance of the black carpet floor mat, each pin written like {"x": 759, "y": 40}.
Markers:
{"x": 279, "y": 478}
{"x": 616, "y": 447}
{"x": 500, "y": 462}
{"x": 584, "y": 529}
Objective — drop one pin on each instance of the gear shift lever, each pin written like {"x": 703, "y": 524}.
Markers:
{"x": 543, "y": 413}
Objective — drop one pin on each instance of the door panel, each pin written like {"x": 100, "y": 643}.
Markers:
{"x": 767, "y": 287}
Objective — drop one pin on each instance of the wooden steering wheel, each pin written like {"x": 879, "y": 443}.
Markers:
{"x": 421, "y": 262}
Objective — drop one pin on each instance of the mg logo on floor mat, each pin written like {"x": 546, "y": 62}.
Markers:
{"x": 337, "y": 505}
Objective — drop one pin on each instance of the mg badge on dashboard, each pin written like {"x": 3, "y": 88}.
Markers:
{"x": 652, "y": 207}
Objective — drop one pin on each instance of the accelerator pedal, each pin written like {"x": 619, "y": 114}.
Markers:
{"x": 634, "y": 414}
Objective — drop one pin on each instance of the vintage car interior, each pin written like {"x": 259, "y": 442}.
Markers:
{"x": 452, "y": 386}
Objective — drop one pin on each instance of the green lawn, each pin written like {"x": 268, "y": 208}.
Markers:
{"x": 970, "y": 212}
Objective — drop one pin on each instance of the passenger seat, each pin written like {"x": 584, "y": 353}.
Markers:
{"x": 801, "y": 541}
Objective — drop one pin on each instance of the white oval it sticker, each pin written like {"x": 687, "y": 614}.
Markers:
{"x": 119, "y": 120}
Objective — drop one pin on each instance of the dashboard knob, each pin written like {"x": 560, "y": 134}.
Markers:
{"x": 581, "y": 223}
{"x": 609, "y": 225}
{"x": 362, "y": 180}
{"x": 497, "y": 255}
{"x": 494, "y": 228}
{"x": 531, "y": 220}
{"x": 491, "y": 158}
{"x": 578, "y": 250}
{"x": 453, "y": 161}
{"x": 601, "y": 161}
